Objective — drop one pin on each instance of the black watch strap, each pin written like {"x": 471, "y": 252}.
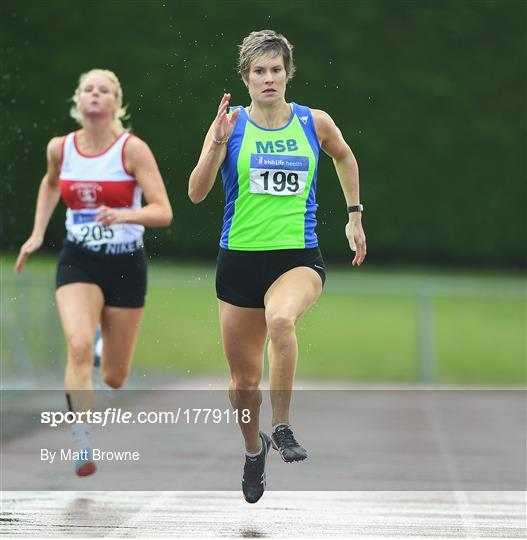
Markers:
{"x": 356, "y": 208}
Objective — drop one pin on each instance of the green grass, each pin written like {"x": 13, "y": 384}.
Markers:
{"x": 480, "y": 339}
{"x": 364, "y": 327}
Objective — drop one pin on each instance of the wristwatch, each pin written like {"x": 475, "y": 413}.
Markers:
{"x": 356, "y": 208}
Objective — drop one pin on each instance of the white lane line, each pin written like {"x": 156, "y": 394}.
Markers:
{"x": 468, "y": 519}
{"x": 129, "y": 526}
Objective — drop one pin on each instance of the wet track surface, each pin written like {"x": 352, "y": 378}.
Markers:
{"x": 47, "y": 510}
{"x": 276, "y": 515}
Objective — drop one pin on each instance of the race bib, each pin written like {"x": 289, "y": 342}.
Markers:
{"x": 278, "y": 174}
{"x": 84, "y": 229}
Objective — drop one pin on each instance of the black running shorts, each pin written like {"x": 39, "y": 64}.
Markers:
{"x": 243, "y": 277}
{"x": 122, "y": 278}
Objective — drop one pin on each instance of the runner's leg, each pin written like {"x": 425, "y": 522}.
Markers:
{"x": 243, "y": 332}
{"x": 80, "y": 306}
{"x": 285, "y": 302}
{"x": 120, "y": 328}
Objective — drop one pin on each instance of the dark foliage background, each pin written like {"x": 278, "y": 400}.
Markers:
{"x": 431, "y": 96}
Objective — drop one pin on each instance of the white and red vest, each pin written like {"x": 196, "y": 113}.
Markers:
{"x": 86, "y": 183}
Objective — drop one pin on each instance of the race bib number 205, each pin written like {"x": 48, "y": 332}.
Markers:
{"x": 86, "y": 230}
{"x": 278, "y": 174}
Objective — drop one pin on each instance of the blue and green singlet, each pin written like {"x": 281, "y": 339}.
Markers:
{"x": 269, "y": 179}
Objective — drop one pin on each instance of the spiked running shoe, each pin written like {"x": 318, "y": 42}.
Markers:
{"x": 84, "y": 466}
{"x": 284, "y": 441}
{"x": 253, "y": 483}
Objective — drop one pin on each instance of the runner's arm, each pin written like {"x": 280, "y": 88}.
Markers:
{"x": 47, "y": 200}
{"x": 204, "y": 174}
{"x": 333, "y": 143}
{"x": 213, "y": 152}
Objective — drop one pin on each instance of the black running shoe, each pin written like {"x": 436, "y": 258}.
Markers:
{"x": 253, "y": 483}
{"x": 284, "y": 441}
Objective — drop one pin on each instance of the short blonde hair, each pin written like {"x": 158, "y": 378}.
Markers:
{"x": 121, "y": 113}
{"x": 265, "y": 42}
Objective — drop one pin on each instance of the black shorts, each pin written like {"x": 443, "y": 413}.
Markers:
{"x": 122, "y": 278}
{"x": 244, "y": 277}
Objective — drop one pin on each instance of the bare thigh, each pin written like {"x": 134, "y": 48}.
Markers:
{"x": 80, "y": 306}
{"x": 291, "y": 295}
{"x": 243, "y": 333}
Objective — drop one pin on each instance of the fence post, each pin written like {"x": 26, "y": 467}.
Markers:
{"x": 426, "y": 351}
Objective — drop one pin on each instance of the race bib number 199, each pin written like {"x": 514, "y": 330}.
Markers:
{"x": 278, "y": 174}
{"x": 86, "y": 230}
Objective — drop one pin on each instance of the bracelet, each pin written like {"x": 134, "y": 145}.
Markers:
{"x": 220, "y": 141}
{"x": 355, "y": 208}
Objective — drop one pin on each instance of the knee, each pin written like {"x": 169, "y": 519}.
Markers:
{"x": 245, "y": 382}
{"x": 279, "y": 325}
{"x": 114, "y": 375}
{"x": 114, "y": 380}
{"x": 80, "y": 349}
